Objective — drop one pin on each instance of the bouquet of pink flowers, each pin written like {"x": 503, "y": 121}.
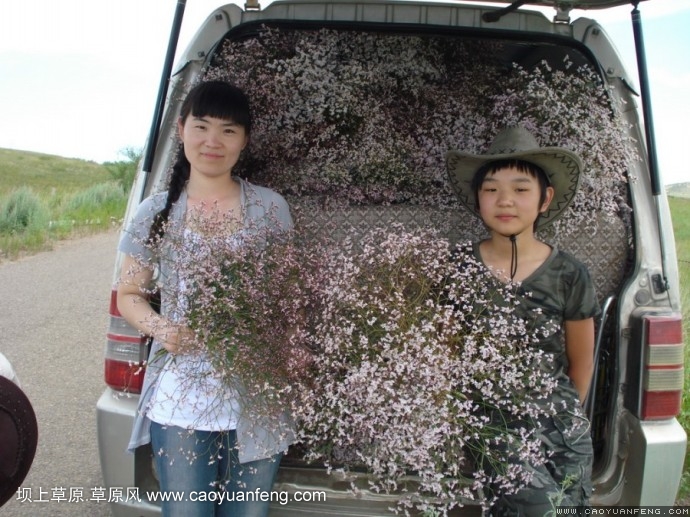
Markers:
{"x": 245, "y": 294}
{"x": 382, "y": 350}
{"x": 414, "y": 376}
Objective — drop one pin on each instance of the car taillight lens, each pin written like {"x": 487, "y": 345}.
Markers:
{"x": 663, "y": 371}
{"x": 125, "y": 353}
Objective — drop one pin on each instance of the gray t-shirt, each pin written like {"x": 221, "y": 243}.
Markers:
{"x": 559, "y": 290}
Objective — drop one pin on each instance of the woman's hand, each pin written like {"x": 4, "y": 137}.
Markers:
{"x": 133, "y": 303}
{"x": 176, "y": 339}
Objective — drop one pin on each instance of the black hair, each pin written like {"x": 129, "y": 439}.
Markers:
{"x": 522, "y": 165}
{"x": 216, "y": 99}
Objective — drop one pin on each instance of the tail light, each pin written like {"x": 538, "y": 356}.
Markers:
{"x": 125, "y": 353}
{"x": 662, "y": 366}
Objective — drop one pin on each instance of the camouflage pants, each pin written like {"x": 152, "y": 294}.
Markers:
{"x": 564, "y": 479}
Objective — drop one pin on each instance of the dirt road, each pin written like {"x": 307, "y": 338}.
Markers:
{"x": 53, "y": 318}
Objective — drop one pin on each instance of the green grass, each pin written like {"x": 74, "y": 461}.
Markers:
{"x": 45, "y": 198}
{"x": 47, "y": 174}
{"x": 680, "y": 212}
{"x": 22, "y": 210}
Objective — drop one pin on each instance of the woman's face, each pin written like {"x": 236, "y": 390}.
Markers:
{"x": 212, "y": 145}
{"x": 509, "y": 201}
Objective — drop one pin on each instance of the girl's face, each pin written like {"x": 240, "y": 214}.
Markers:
{"x": 212, "y": 145}
{"x": 509, "y": 201}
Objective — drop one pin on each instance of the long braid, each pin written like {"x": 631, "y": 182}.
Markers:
{"x": 178, "y": 180}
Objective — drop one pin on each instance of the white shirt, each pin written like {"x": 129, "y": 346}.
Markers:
{"x": 189, "y": 393}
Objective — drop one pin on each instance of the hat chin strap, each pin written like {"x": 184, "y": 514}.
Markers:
{"x": 513, "y": 254}
{"x": 513, "y": 257}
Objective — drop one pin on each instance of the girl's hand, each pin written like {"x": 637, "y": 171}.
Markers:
{"x": 176, "y": 339}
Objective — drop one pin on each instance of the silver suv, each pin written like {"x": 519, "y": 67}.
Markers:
{"x": 621, "y": 227}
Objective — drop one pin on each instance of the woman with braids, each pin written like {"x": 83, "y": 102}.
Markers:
{"x": 207, "y": 456}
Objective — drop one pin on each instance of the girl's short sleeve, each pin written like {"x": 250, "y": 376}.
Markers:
{"x": 581, "y": 301}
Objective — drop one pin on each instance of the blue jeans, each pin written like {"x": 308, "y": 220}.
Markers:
{"x": 202, "y": 469}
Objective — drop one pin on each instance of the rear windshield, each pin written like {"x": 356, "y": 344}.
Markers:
{"x": 352, "y": 126}
{"x": 364, "y": 117}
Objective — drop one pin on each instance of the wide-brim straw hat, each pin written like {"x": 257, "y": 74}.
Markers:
{"x": 562, "y": 167}
{"x": 18, "y": 438}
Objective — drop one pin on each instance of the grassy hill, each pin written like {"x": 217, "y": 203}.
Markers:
{"x": 678, "y": 190}
{"x": 44, "y": 198}
{"x": 680, "y": 213}
{"x": 46, "y": 173}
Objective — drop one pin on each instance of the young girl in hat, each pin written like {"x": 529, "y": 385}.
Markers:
{"x": 208, "y": 418}
{"x": 517, "y": 188}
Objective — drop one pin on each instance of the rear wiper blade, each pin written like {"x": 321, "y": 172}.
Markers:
{"x": 494, "y": 16}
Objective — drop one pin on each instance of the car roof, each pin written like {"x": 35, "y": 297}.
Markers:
{"x": 569, "y": 4}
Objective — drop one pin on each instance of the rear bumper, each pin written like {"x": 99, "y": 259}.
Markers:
{"x": 330, "y": 494}
{"x": 655, "y": 453}
{"x": 114, "y": 418}
{"x": 654, "y": 465}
